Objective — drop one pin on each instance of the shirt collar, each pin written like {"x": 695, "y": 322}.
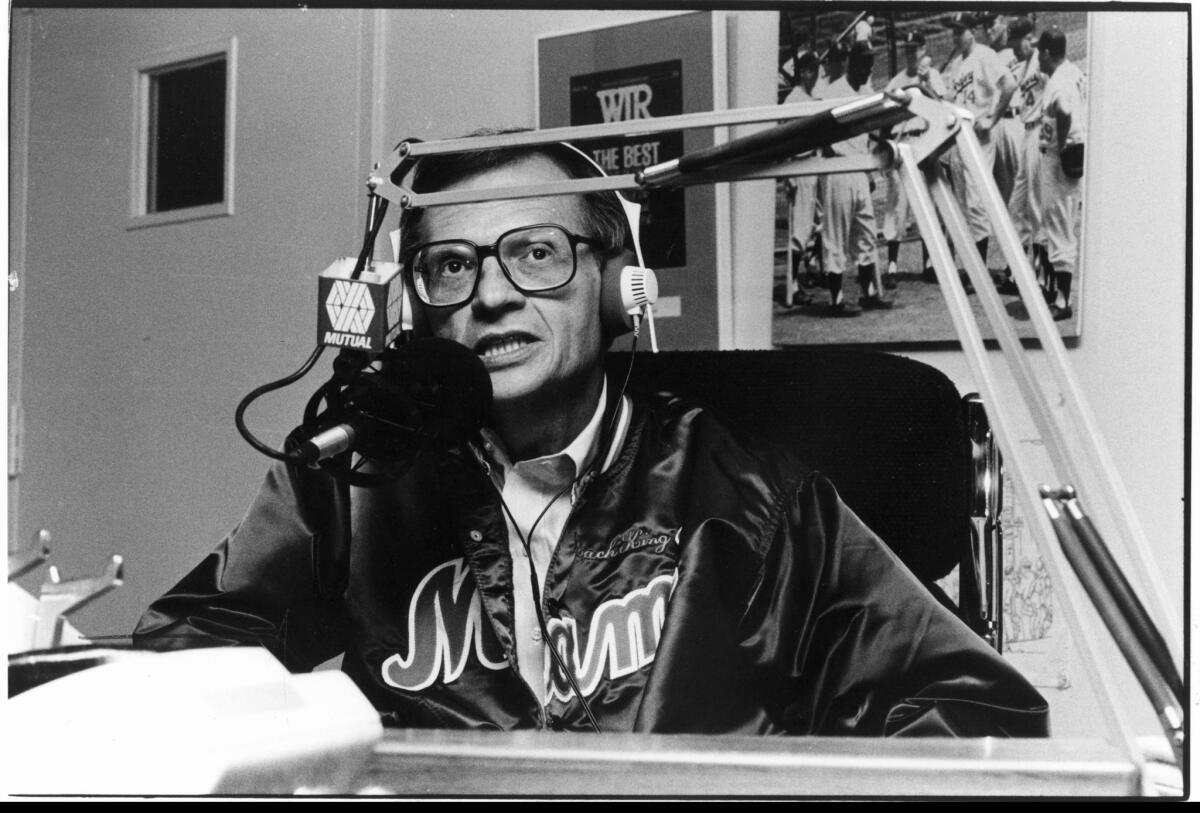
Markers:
{"x": 579, "y": 451}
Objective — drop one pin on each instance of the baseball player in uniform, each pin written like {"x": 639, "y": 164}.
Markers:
{"x": 833, "y": 63}
{"x": 848, "y": 215}
{"x": 803, "y": 189}
{"x": 1025, "y": 204}
{"x": 1008, "y": 131}
{"x": 863, "y": 29}
{"x": 918, "y": 71}
{"x": 1064, "y": 123}
{"x": 978, "y": 82}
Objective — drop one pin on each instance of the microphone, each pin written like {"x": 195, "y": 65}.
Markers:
{"x": 428, "y": 391}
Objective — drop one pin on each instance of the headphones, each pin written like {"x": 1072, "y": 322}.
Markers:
{"x": 627, "y": 297}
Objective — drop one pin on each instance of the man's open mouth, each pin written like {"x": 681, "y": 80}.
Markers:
{"x": 496, "y": 347}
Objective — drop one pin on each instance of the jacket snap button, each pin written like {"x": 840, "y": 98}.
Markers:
{"x": 476, "y": 536}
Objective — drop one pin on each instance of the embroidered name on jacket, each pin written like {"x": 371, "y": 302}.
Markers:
{"x": 634, "y": 539}
{"x": 446, "y": 624}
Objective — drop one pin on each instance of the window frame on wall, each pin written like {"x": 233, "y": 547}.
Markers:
{"x": 145, "y": 71}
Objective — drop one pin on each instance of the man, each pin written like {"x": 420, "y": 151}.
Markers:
{"x": 802, "y": 191}
{"x": 1005, "y": 33}
{"x": 1064, "y": 125}
{"x": 687, "y": 582}
{"x": 847, "y": 211}
{"x": 918, "y": 72}
{"x": 979, "y": 82}
{"x": 995, "y": 28}
{"x": 863, "y": 29}
{"x": 833, "y": 60}
{"x": 1025, "y": 204}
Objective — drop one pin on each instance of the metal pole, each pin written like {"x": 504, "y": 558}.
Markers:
{"x": 917, "y": 187}
{"x": 1078, "y": 416}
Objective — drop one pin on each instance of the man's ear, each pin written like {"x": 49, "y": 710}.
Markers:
{"x": 616, "y": 259}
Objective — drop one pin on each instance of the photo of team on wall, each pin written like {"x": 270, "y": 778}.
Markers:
{"x": 850, "y": 264}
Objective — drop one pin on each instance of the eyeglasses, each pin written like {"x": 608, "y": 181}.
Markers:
{"x": 535, "y": 259}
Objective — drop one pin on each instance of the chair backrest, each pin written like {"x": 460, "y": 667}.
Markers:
{"x": 889, "y": 432}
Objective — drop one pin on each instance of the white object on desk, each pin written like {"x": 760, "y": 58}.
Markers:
{"x": 21, "y": 622}
{"x": 202, "y": 721}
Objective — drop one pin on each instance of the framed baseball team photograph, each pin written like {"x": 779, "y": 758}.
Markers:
{"x": 851, "y": 265}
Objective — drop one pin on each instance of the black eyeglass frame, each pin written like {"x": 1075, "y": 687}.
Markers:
{"x": 483, "y": 252}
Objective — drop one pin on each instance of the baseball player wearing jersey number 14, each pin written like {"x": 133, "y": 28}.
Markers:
{"x": 1064, "y": 123}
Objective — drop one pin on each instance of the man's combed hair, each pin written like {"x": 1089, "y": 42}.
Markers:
{"x": 604, "y": 218}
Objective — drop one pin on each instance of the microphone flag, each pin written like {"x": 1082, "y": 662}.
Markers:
{"x": 363, "y": 313}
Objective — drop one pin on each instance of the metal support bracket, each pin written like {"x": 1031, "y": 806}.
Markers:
{"x": 60, "y": 599}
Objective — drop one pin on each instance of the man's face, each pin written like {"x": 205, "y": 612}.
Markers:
{"x": 1046, "y": 62}
{"x": 808, "y": 78}
{"x": 1024, "y": 47}
{"x": 913, "y": 55}
{"x": 963, "y": 38}
{"x": 858, "y": 72}
{"x": 998, "y": 32}
{"x": 545, "y": 345}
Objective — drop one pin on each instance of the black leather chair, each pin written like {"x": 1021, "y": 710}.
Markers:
{"x": 893, "y": 435}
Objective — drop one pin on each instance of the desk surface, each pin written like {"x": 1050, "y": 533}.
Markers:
{"x": 538, "y": 763}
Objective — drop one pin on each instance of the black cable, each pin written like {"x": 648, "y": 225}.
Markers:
{"x": 378, "y": 206}
{"x": 255, "y": 394}
{"x": 533, "y": 582}
{"x": 569, "y": 674}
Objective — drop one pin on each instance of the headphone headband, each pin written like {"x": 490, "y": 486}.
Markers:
{"x": 633, "y": 211}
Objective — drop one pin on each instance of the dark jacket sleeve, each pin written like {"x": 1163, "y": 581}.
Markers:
{"x": 870, "y": 650}
{"x": 260, "y": 586}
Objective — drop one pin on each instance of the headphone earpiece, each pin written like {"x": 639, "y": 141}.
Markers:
{"x": 625, "y": 296}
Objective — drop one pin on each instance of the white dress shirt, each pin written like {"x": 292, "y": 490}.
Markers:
{"x": 529, "y": 487}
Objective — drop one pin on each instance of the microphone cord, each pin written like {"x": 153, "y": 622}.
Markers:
{"x": 239, "y": 415}
{"x": 569, "y": 674}
{"x": 376, "y": 210}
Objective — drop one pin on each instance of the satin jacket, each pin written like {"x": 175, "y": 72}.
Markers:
{"x": 698, "y": 586}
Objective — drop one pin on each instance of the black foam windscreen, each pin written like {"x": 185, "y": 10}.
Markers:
{"x": 446, "y": 381}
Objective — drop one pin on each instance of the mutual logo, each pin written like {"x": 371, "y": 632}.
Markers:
{"x": 349, "y": 307}
{"x": 446, "y": 626}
